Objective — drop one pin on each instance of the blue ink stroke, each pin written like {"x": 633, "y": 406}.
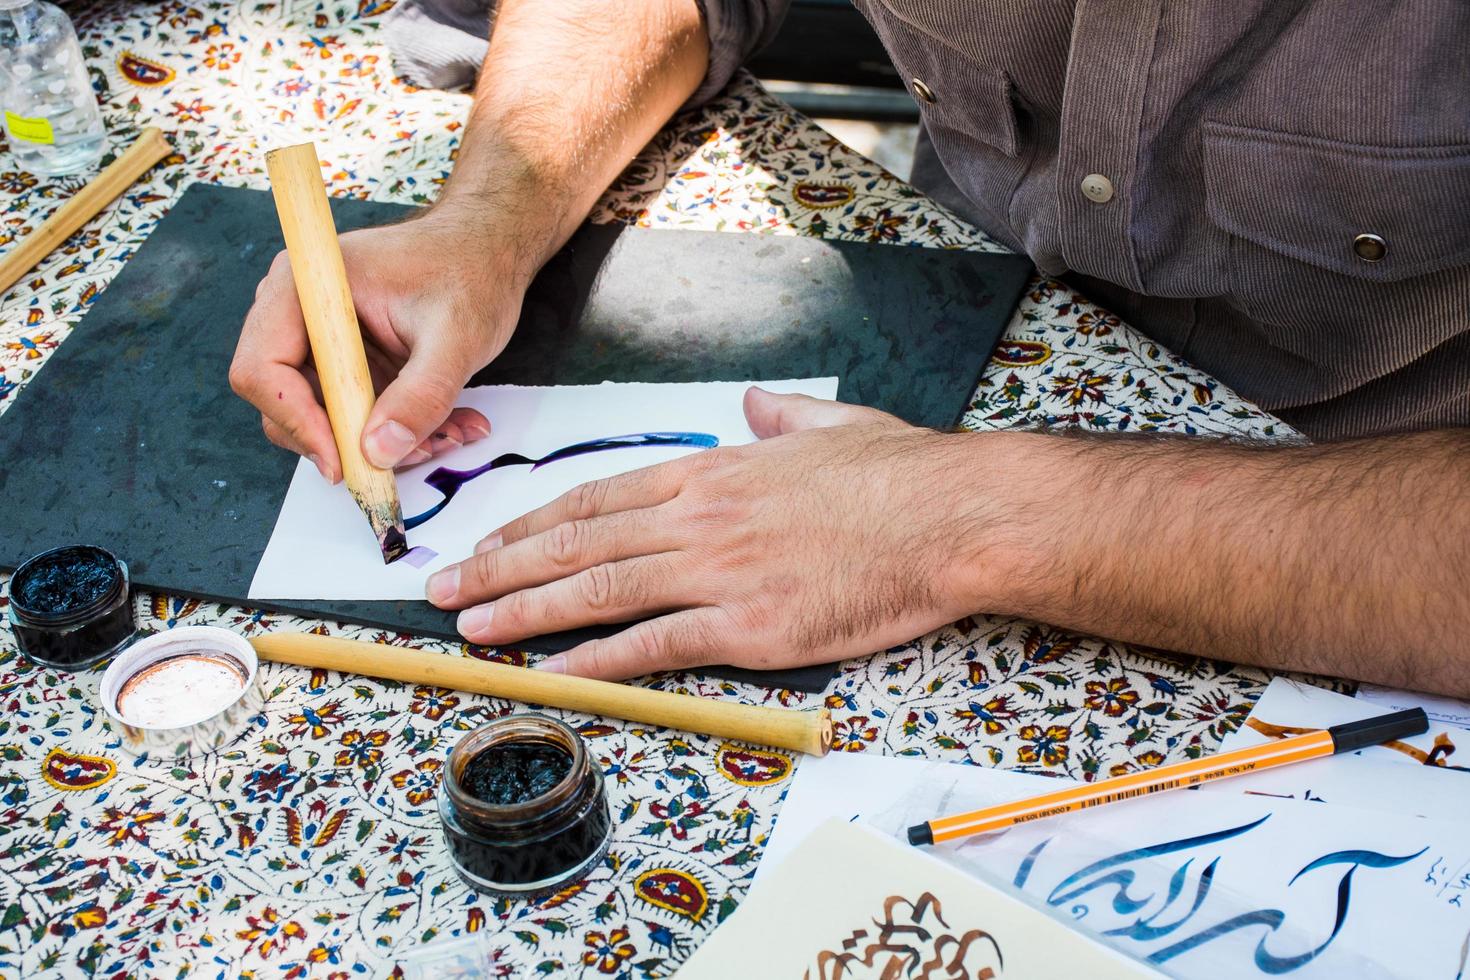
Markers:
{"x": 1144, "y": 930}
{"x": 449, "y": 482}
{"x": 1123, "y": 903}
{"x": 1265, "y": 961}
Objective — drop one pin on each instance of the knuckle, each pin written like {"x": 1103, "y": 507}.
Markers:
{"x": 647, "y": 646}
{"x": 438, "y": 390}
{"x": 564, "y": 543}
{"x": 510, "y": 613}
{"x": 698, "y": 647}
{"x": 716, "y": 506}
{"x": 482, "y": 569}
{"x": 597, "y": 657}
{"x": 295, "y": 427}
{"x": 708, "y": 461}
{"x": 586, "y": 500}
{"x": 242, "y": 377}
{"x": 598, "y": 588}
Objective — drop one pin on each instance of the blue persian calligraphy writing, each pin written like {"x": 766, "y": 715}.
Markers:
{"x": 1117, "y": 876}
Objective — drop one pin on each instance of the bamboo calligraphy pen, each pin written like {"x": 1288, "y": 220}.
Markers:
{"x": 1348, "y": 737}
{"x": 336, "y": 341}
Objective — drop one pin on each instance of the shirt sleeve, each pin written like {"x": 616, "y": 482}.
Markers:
{"x": 737, "y": 29}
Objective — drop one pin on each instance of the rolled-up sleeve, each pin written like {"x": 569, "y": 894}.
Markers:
{"x": 737, "y": 29}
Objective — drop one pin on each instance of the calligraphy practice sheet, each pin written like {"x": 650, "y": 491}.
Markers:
{"x": 1427, "y": 775}
{"x": 898, "y": 912}
{"x": 1195, "y": 884}
{"x": 322, "y": 547}
{"x": 1441, "y": 709}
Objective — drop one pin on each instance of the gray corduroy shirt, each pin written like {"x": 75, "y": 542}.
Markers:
{"x": 1278, "y": 190}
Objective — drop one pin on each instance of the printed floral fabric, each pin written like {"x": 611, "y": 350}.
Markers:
{"x": 312, "y": 848}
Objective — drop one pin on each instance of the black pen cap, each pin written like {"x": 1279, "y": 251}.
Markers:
{"x": 1375, "y": 731}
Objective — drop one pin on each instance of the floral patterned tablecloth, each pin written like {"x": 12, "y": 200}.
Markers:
{"x": 312, "y": 849}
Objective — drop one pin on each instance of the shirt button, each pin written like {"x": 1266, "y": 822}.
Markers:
{"x": 1097, "y": 188}
{"x": 924, "y": 92}
{"x": 1370, "y": 248}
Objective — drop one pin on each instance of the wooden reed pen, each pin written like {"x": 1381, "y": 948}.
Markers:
{"x": 800, "y": 731}
{"x": 336, "y": 340}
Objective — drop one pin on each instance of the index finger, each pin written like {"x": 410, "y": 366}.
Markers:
{"x": 267, "y": 369}
{"x": 647, "y": 487}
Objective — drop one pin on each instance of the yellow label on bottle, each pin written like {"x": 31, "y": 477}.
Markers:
{"x": 31, "y": 129}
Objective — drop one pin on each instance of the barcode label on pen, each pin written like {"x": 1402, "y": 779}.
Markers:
{"x": 1131, "y": 793}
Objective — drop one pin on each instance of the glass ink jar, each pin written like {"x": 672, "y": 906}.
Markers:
{"x": 523, "y": 807}
{"x": 70, "y": 607}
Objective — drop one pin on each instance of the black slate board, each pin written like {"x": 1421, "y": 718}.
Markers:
{"x": 131, "y": 439}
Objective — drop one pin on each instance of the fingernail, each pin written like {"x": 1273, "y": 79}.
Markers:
{"x": 475, "y": 619}
{"x": 447, "y": 438}
{"x": 419, "y": 455}
{"x": 442, "y": 585}
{"x": 320, "y": 467}
{"x": 490, "y": 543}
{"x": 474, "y": 430}
{"x": 386, "y": 445}
{"x": 556, "y": 664}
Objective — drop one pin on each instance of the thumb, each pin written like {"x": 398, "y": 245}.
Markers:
{"x": 774, "y": 415}
{"x": 417, "y": 402}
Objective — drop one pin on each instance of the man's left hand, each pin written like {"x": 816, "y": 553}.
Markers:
{"x": 841, "y": 532}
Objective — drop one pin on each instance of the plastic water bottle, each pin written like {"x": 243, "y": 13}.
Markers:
{"x": 50, "y": 112}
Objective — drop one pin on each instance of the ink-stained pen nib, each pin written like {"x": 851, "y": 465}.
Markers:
{"x": 394, "y": 544}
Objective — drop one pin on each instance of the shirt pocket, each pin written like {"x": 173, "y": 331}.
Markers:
{"x": 966, "y": 107}
{"x": 1326, "y": 232}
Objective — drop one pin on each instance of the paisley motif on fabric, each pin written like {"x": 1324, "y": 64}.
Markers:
{"x": 141, "y": 71}
{"x": 752, "y": 767}
{"x": 820, "y": 197}
{"x": 1020, "y": 353}
{"x": 673, "y": 891}
{"x": 76, "y": 772}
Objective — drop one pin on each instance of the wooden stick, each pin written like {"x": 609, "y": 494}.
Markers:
{"x": 336, "y": 341}
{"x": 800, "y": 731}
{"x": 149, "y": 148}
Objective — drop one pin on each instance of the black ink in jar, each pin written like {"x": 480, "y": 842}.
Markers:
{"x": 523, "y": 807}
{"x": 70, "y": 607}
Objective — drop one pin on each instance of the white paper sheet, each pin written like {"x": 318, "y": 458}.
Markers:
{"x": 1446, "y": 710}
{"x": 1376, "y": 778}
{"x": 322, "y": 548}
{"x": 897, "y": 911}
{"x": 1196, "y": 884}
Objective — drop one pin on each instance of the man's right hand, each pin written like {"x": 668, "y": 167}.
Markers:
{"x": 569, "y": 92}
{"x": 437, "y": 298}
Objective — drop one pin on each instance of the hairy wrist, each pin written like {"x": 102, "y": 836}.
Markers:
{"x": 994, "y": 542}
{"x": 499, "y": 232}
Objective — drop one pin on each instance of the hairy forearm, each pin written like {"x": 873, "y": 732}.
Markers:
{"x": 1350, "y": 559}
{"x": 569, "y": 92}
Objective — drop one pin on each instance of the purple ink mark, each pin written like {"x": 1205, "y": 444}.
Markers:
{"x": 449, "y": 482}
{"x": 419, "y": 557}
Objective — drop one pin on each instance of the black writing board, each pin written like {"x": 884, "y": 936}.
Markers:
{"x": 131, "y": 439}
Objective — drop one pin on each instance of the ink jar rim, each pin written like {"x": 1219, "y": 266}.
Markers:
{"x": 71, "y": 617}
{"x": 503, "y": 731}
{"x": 576, "y": 802}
